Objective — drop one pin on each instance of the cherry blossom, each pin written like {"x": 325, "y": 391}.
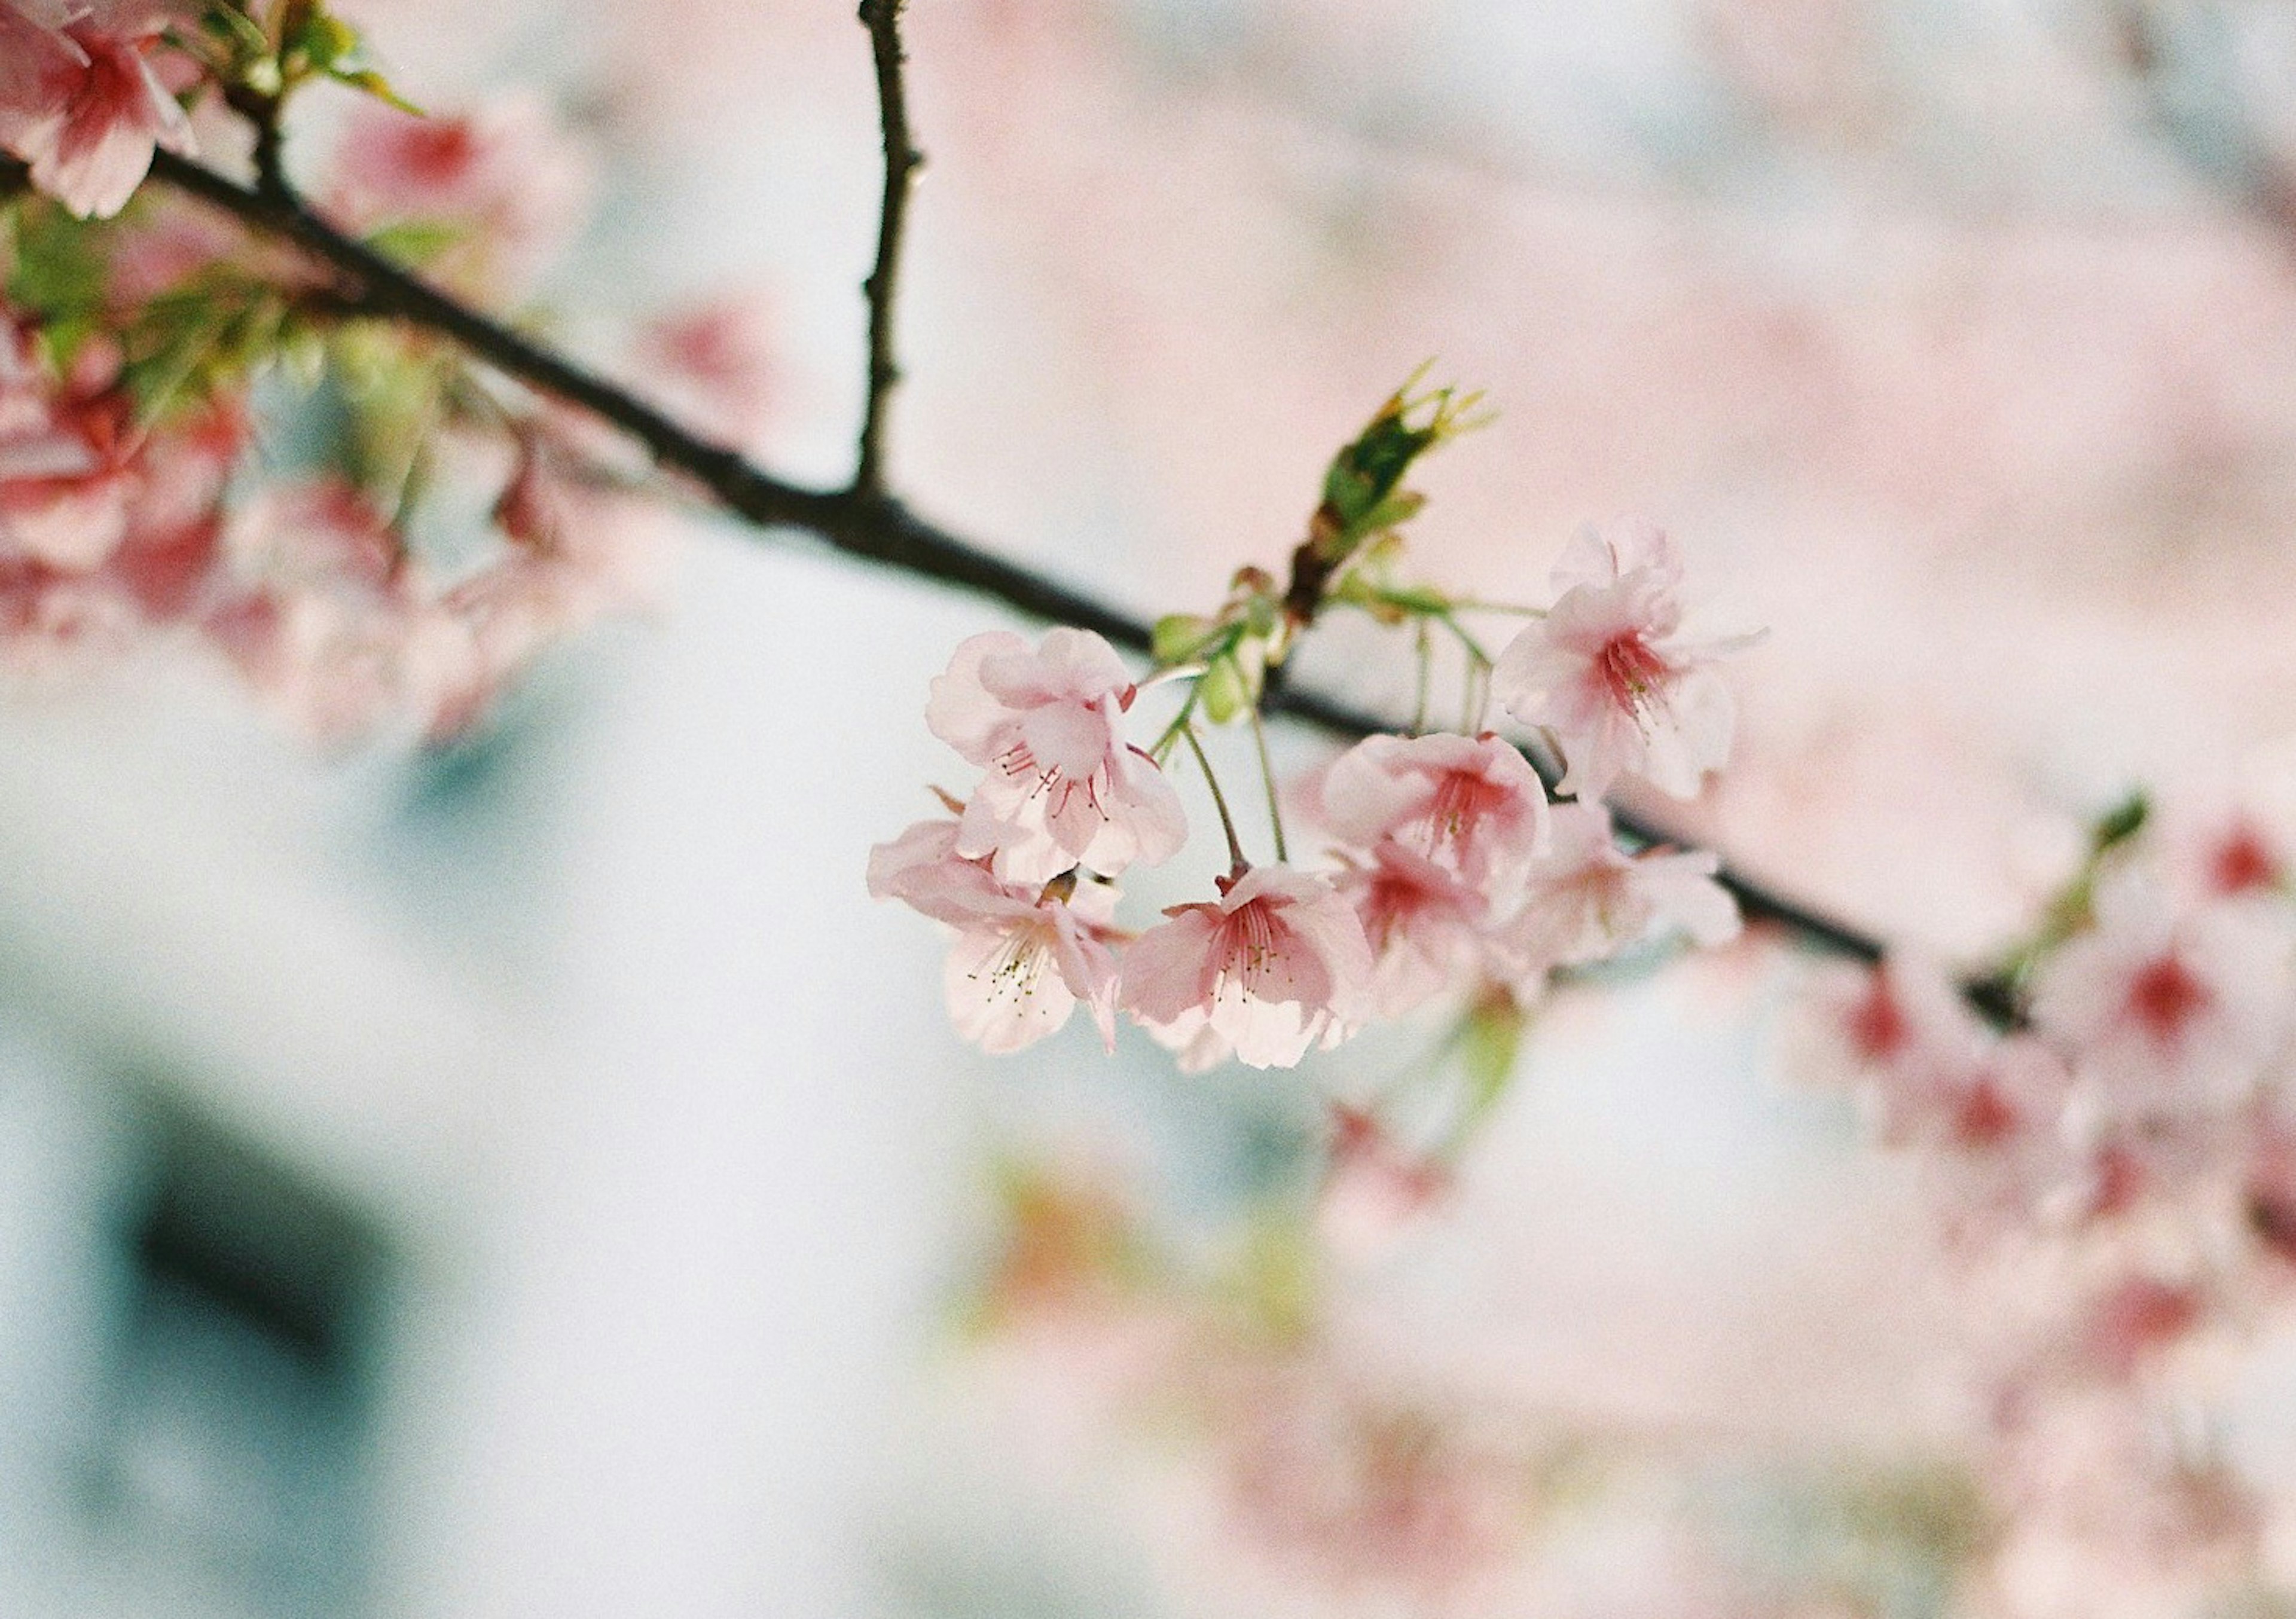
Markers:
{"x": 1424, "y": 925}
{"x": 1588, "y": 899}
{"x": 1278, "y": 963}
{"x": 1063, "y": 788}
{"x": 504, "y": 178}
{"x": 2167, "y": 1008}
{"x": 1473, "y": 805}
{"x": 1608, "y": 672}
{"x": 80, "y": 101}
{"x": 1022, "y": 961}
{"x": 66, "y": 481}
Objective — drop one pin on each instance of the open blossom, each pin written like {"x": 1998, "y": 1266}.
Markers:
{"x": 504, "y": 177}
{"x": 1274, "y": 965}
{"x": 1424, "y": 925}
{"x": 66, "y": 481}
{"x": 1589, "y": 899}
{"x": 1022, "y": 961}
{"x": 1471, "y": 803}
{"x": 1609, "y": 673}
{"x": 79, "y": 101}
{"x": 2166, "y": 1009}
{"x": 1063, "y": 788}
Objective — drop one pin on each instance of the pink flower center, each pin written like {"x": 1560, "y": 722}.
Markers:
{"x": 2163, "y": 999}
{"x": 1246, "y": 945}
{"x": 1985, "y": 1118}
{"x": 1631, "y": 671}
{"x": 1877, "y": 1027}
{"x": 2242, "y": 864}
{"x": 440, "y": 152}
{"x": 1462, "y": 799}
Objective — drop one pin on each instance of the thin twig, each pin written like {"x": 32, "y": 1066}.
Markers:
{"x": 1268, "y": 777}
{"x": 883, "y": 19}
{"x": 1237, "y": 863}
{"x": 871, "y": 525}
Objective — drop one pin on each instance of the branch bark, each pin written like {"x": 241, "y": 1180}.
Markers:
{"x": 883, "y": 19}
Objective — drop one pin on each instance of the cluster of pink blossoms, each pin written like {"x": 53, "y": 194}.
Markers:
{"x": 142, "y": 345}
{"x": 2114, "y": 1176}
{"x": 1449, "y": 871}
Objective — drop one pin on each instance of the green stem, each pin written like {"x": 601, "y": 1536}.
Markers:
{"x": 1268, "y": 779}
{"x": 1237, "y": 863}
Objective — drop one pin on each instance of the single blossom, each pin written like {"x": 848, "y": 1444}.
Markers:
{"x": 1063, "y": 788}
{"x": 1610, "y": 673}
{"x": 504, "y": 180}
{"x": 1588, "y": 899}
{"x": 1275, "y": 965}
{"x": 1374, "y": 1186}
{"x": 68, "y": 478}
{"x": 1022, "y": 961}
{"x": 1471, "y": 804}
{"x": 1424, "y": 925}
{"x": 2163, "y": 1008}
{"x": 713, "y": 365}
{"x": 80, "y": 101}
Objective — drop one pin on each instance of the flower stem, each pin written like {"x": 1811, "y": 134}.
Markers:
{"x": 1268, "y": 779}
{"x": 1237, "y": 863}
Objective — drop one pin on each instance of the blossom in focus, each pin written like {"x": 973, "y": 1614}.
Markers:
{"x": 504, "y": 180}
{"x": 1063, "y": 788}
{"x": 1022, "y": 961}
{"x": 1588, "y": 899}
{"x": 79, "y": 101}
{"x": 1608, "y": 672}
{"x": 2166, "y": 1008}
{"x": 1274, "y": 965}
{"x": 1471, "y": 804}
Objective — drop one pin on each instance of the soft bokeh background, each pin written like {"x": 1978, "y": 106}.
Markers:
{"x": 534, "y": 1180}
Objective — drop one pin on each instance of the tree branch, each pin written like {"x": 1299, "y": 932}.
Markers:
{"x": 862, "y": 522}
{"x": 883, "y": 19}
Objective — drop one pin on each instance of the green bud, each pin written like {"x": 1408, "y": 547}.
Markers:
{"x": 1224, "y": 691}
{"x": 1178, "y": 637}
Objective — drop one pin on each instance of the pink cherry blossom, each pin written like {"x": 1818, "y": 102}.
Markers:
{"x": 1588, "y": 899}
{"x": 1473, "y": 805}
{"x": 1423, "y": 924}
{"x": 1063, "y": 788}
{"x": 1274, "y": 965}
{"x": 1375, "y": 1185}
{"x": 1609, "y": 674}
{"x": 79, "y": 101}
{"x": 66, "y": 482}
{"x": 2166, "y": 1009}
{"x": 1022, "y": 961}
{"x": 713, "y": 365}
{"x": 505, "y": 176}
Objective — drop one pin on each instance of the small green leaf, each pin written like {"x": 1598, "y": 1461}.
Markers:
{"x": 371, "y": 83}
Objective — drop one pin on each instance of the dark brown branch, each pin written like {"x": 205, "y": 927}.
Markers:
{"x": 883, "y": 19}
{"x": 860, "y": 522}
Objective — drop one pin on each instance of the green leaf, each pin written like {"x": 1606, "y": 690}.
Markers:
{"x": 371, "y": 83}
